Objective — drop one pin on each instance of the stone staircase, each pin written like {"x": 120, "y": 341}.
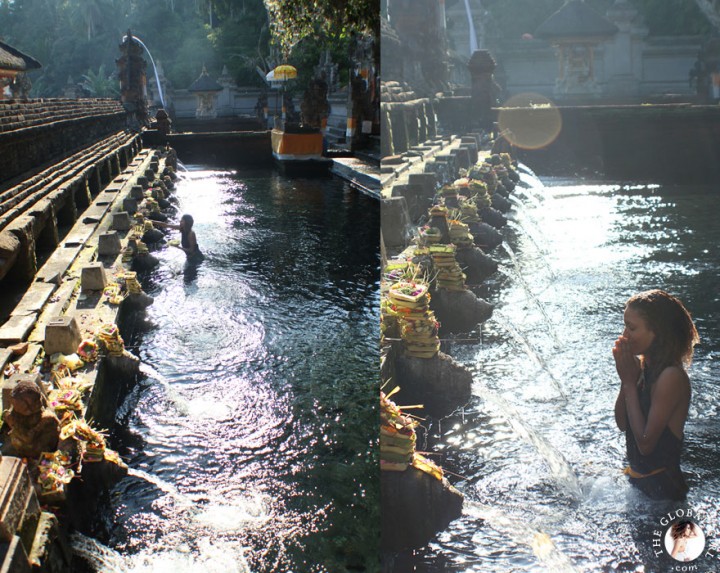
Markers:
{"x": 24, "y": 115}
{"x": 38, "y": 132}
{"x": 29, "y": 536}
{"x": 32, "y": 211}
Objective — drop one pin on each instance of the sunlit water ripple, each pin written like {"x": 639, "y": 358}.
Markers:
{"x": 576, "y": 253}
{"x": 257, "y": 367}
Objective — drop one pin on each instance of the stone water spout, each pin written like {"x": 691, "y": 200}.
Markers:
{"x": 155, "y": 70}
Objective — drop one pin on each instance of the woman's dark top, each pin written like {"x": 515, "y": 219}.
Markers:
{"x": 668, "y": 483}
{"x": 194, "y": 256}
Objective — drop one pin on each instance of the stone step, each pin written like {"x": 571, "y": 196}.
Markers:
{"x": 22, "y": 199}
{"x": 17, "y": 498}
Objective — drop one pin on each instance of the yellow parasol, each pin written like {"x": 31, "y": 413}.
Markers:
{"x": 281, "y": 73}
{"x": 284, "y": 72}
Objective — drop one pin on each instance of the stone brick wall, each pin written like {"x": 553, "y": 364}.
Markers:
{"x": 36, "y": 132}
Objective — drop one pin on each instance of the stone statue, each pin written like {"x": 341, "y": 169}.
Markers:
{"x": 20, "y": 88}
{"x": 163, "y": 121}
{"x": 34, "y": 428}
{"x": 315, "y": 108}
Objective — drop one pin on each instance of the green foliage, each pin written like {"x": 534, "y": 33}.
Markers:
{"x": 70, "y": 37}
{"x": 306, "y": 55}
{"x": 100, "y": 84}
{"x": 292, "y": 20}
{"x": 673, "y": 17}
{"x": 242, "y": 40}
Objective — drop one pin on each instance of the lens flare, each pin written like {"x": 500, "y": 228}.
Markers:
{"x": 529, "y": 121}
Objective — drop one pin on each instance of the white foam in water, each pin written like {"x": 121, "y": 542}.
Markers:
{"x": 212, "y": 556}
{"x": 209, "y": 409}
{"x": 162, "y": 485}
{"x": 101, "y": 558}
{"x": 238, "y": 514}
{"x": 542, "y": 545}
{"x": 178, "y": 401}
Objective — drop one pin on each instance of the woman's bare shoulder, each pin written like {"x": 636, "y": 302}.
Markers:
{"x": 673, "y": 379}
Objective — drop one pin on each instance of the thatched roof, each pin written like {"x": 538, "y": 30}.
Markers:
{"x": 576, "y": 19}
{"x": 205, "y": 84}
{"x": 14, "y": 60}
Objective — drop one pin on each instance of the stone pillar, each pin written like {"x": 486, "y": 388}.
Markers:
{"x": 623, "y": 59}
{"x": 225, "y": 103}
{"x": 25, "y": 266}
{"x": 482, "y": 95}
{"x": 19, "y": 507}
{"x": 133, "y": 81}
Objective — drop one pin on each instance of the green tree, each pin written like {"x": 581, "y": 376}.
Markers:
{"x": 241, "y": 39}
{"x": 292, "y": 20}
{"x": 673, "y": 17}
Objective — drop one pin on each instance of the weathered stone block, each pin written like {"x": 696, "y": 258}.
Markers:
{"x": 427, "y": 181}
{"x": 35, "y": 298}
{"x": 15, "y": 487}
{"x": 15, "y": 559}
{"x": 130, "y": 205}
{"x": 459, "y": 311}
{"x": 17, "y": 328}
{"x": 136, "y": 192}
{"x": 394, "y": 222}
{"x": 109, "y": 243}
{"x": 61, "y": 335}
{"x": 92, "y": 277}
{"x": 9, "y": 250}
{"x": 414, "y": 497}
{"x": 49, "y": 547}
{"x": 440, "y": 383}
{"x": 462, "y": 157}
{"x": 121, "y": 221}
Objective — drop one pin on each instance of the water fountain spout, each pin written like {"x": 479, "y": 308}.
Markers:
{"x": 471, "y": 26}
{"x": 157, "y": 77}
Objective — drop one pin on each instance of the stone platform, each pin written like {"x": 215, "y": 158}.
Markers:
{"x": 63, "y": 289}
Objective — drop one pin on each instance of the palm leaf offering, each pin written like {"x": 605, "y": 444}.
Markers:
{"x": 398, "y": 440}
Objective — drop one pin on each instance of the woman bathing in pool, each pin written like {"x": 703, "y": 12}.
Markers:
{"x": 651, "y": 408}
{"x": 188, "y": 240}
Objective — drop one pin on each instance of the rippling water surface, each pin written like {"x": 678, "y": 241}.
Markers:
{"x": 251, "y": 438}
{"x": 538, "y": 446}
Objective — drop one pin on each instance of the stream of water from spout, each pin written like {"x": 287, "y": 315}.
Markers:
{"x": 530, "y": 294}
{"x": 471, "y": 28}
{"x": 559, "y": 467}
{"x": 524, "y": 533}
{"x": 181, "y": 405}
{"x": 98, "y": 556}
{"x": 157, "y": 77}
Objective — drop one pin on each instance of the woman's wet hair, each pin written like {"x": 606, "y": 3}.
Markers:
{"x": 670, "y": 321}
{"x": 188, "y": 220}
{"x": 678, "y": 529}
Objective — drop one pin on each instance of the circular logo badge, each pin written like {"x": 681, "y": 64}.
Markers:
{"x": 684, "y": 540}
